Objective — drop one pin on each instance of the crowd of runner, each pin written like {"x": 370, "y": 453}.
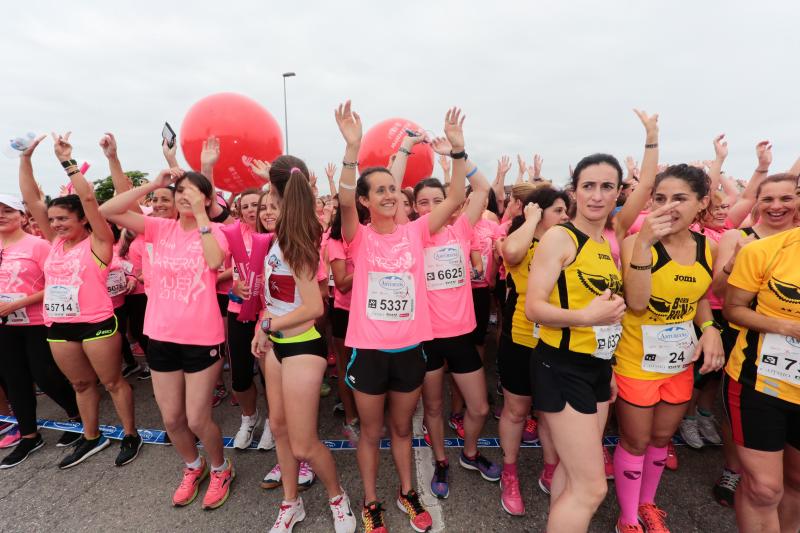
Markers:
{"x": 643, "y": 294}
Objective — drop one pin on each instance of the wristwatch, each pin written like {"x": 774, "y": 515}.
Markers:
{"x": 266, "y": 324}
{"x": 204, "y": 230}
{"x": 458, "y": 155}
{"x": 711, "y": 323}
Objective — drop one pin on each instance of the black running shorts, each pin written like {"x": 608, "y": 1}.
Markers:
{"x": 377, "y": 372}
{"x": 561, "y": 377}
{"x": 459, "y": 353}
{"x": 172, "y": 357}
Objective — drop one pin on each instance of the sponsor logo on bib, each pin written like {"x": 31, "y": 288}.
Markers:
{"x": 673, "y": 334}
{"x": 449, "y": 253}
{"x": 392, "y": 283}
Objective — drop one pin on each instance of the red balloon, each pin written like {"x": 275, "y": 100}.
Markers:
{"x": 245, "y": 130}
{"x": 384, "y": 139}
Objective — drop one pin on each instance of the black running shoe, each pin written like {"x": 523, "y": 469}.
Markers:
{"x": 129, "y": 449}
{"x": 130, "y": 369}
{"x": 144, "y": 374}
{"x": 22, "y": 451}
{"x": 83, "y": 450}
{"x": 68, "y": 438}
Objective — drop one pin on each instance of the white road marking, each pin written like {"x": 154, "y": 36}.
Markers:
{"x": 423, "y": 458}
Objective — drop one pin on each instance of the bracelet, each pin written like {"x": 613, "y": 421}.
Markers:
{"x": 349, "y": 164}
{"x": 346, "y": 186}
{"x": 760, "y": 171}
{"x": 403, "y": 150}
{"x": 458, "y": 155}
{"x": 653, "y": 145}
{"x": 69, "y": 163}
{"x": 72, "y": 173}
{"x": 472, "y": 172}
{"x": 641, "y": 267}
{"x": 726, "y": 271}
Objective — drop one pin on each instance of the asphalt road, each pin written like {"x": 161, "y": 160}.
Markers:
{"x": 96, "y": 496}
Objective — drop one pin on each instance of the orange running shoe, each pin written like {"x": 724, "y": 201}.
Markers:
{"x": 219, "y": 488}
{"x": 190, "y": 484}
{"x": 653, "y": 518}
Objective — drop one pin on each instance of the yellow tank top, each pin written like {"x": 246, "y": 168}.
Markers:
{"x": 661, "y": 341}
{"x": 588, "y": 276}
{"x": 521, "y": 329}
{"x": 769, "y": 362}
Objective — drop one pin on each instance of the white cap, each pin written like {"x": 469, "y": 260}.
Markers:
{"x": 14, "y": 202}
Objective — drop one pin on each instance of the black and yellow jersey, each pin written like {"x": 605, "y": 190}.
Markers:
{"x": 769, "y": 363}
{"x": 661, "y": 341}
{"x": 591, "y": 272}
{"x": 519, "y": 328}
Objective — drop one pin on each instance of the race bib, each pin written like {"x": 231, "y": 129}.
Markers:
{"x": 780, "y": 358}
{"x": 18, "y": 317}
{"x": 668, "y": 348}
{"x": 607, "y": 338}
{"x": 390, "y": 296}
{"x": 535, "y": 330}
{"x": 61, "y": 301}
{"x": 330, "y": 278}
{"x": 116, "y": 283}
{"x": 444, "y": 267}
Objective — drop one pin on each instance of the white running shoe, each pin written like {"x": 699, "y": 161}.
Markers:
{"x": 343, "y": 519}
{"x": 290, "y": 513}
{"x": 273, "y": 478}
{"x": 305, "y": 476}
{"x": 267, "y": 442}
{"x": 708, "y": 428}
{"x": 690, "y": 433}
{"x": 244, "y": 436}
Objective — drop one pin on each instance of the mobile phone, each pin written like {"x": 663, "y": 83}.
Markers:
{"x": 412, "y": 133}
{"x": 168, "y": 134}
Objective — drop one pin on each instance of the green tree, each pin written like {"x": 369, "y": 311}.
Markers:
{"x": 104, "y": 188}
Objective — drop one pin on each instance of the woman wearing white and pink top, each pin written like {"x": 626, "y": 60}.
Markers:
{"x": 26, "y": 356}
{"x": 389, "y": 312}
{"x": 82, "y": 328}
{"x": 183, "y": 324}
{"x": 293, "y": 352}
{"x": 446, "y": 256}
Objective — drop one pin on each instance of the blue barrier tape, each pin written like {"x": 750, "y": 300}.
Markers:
{"x": 157, "y": 436}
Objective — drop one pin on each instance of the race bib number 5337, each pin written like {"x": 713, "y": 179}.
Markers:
{"x": 390, "y": 296}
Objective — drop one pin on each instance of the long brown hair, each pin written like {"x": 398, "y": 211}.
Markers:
{"x": 297, "y": 228}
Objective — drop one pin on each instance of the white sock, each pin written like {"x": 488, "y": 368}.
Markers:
{"x": 195, "y": 464}
{"x": 221, "y": 467}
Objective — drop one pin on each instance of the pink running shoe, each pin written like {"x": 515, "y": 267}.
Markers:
{"x": 190, "y": 484}
{"x": 672, "y": 457}
{"x": 510, "y": 496}
{"x": 219, "y": 488}
{"x": 545, "y": 481}
{"x": 608, "y": 463}
{"x": 456, "y": 423}
{"x": 530, "y": 433}
{"x": 11, "y": 438}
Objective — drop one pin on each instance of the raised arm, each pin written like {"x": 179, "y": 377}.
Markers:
{"x": 453, "y": 130}
{"x": 499, "y": 185}
{"x": 444, "y": 162}
{"x": 400, "y": 161}
{"x": 745, "y": 203}
{"x": 516, "y": 245}
{"x": 535, "y": 171}
{"x": 715, "y": 169}
{"x": 209, "y": 156}
{"x": 636, "y": 201}
{"x": 330, "y": 171}
{"x": 523, "y": 167}
{"x": 117, "y": 209}
{"x": 102, "y": 236}
{"x": 121, "y": 182}
{"x": 795, "y": 169}
{"x": 350, "y": 126}
{"x": 170, "y": 154}
{"x": 478, "y": 196}
{"x": 212, "y": 251}
{"x": 30, "y": 191}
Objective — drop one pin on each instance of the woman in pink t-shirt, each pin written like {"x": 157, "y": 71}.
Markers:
{"x": 184, "y": 325}
{"x": 389, "y": 312}
{"x": 82, "y": 328}
{"x": 293, "y": 351}
{"x": 26, "y": 356}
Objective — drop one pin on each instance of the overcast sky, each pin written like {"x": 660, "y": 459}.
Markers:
{"x": 555, "y": 78}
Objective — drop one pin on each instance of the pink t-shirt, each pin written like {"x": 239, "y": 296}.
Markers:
{"x": 224, "y": 286}
{"x": 389, "y": 306}
{"x": 324, "y": 269}
{"x": 132, "y": 264}
{"x": 182, "y": 303}
{"x": 611, "y": 236}
{"x": 339, "y": 250}
{"x": 116, "y": 282}
{"x": 714, "y": 234}
{"x": 247, "y": 237}
{"x": 484, "y": 233}
{"x": 446, "y": 257}
{"x": 75, "y": 285}
{"x": 502, "y": 231}
{"x": 21, "y": 274}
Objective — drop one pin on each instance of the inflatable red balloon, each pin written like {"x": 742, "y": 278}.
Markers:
{"x": 384, "y": 139}
{"x": 245, "y": 130}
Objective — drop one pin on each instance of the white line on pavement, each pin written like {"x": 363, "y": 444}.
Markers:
{"x": 423, "y": 459}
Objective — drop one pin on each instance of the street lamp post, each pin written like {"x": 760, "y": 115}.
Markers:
{"x": 285, "y": 114}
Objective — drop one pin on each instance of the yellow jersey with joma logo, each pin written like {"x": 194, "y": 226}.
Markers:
{"x": 518, "y": 327}
{"x": 770, "y": 363}
{"x": 587, "y": 277}
{"x": 661, "y": 341}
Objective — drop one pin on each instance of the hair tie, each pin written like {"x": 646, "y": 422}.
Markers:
{"x": 295, "y": 168}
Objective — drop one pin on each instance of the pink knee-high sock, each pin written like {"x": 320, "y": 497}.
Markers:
{"x": 628, "y": 481}
{"x": 654, "y": 460}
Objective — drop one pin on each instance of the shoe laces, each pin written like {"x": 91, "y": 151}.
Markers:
{"x": 372, "y": 516}
{"x": 188, "y": 477}
{"x": 482, "y": 461}
{"x": 440, "y": 471}
{"x": 653, "y": 517}
{"x": 284, "y": 508}
{"x": 629, "y": 528}
{"x": 305, "y": 469}
{"x": 691, "y": 428}
{"x": 729, "y": 480}
{"x": 411, "y": 503}
{"x": 337, "y": 505}
{"x": 276, "y": 470}
{"x": 511, "y": 484}
{"x": 530, "y": 425}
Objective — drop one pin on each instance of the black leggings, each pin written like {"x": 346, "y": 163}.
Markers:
{"x": 122, "y": 324}
{"x": 27, "y": 360}
{"x": 240, "y": 336}
{"x": 137, "y": 304}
